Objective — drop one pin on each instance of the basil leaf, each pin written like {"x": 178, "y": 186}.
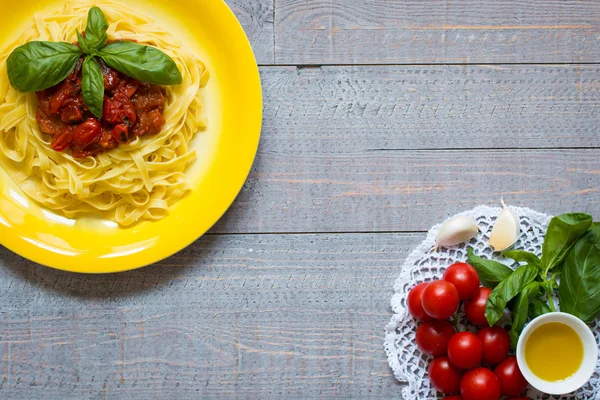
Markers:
{"x": 92, "y": 86}
{"x": 37, "y": 65}
{"x": 506, "y": 290}
{"x": 524, "y": 256}
{"x": 579, "y": 289}
{"x": 490, "y": 272}
{"x": 563, "y": 231}
{"x": 520, "y": 311}
{"x": 538, "y": 306}
{"x": 83, "y": 44}
{"x": 144, "y": 63}
{"x": 95, "y": 30}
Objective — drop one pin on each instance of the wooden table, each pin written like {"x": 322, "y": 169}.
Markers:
{"x": 381, "y": 118}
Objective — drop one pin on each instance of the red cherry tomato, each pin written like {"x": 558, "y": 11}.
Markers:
{"x": 520, "y": 398}
{"x": 511, "y": 380}
{"x": 415, "y": 305}
{"x": 475, "y": 307}
{"x": 440, "y": 299}
{"x": 455, "y": 397}
{"x": 464, "y": 350}
{"x": 480, "y": 384}
{"x": 433, "y": 336}
{"x": 444, "y": 376}
{"x": 465, "y": 278}
{"x": 496, "y": 344}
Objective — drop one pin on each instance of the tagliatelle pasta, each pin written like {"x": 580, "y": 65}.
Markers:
{"x": 137, "y": 181}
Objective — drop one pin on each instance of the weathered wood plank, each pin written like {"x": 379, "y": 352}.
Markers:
{"x": 355, "y": 109}
{"x": 332, "y": 191}
{"x": 242, "y": 316}
{"x": 256, "y": 17}
{"x": 436, "y": 31}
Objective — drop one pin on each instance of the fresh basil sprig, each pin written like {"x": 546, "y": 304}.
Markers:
{"x": 507, "y": 290}
{"x": 562, "y": 233}
{"x": 40, "y": 65}
{"x": 92, "y": 86}
{"x": 579, "y": 289}
{"x": 491, "y": 273}
{"x": 144, "y": 63}
{"x": 95, "y": 30}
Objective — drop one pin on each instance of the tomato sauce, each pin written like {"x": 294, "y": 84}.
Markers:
{"x": 131, "y": 108}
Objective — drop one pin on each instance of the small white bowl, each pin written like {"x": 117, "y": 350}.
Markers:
{"x": 590, "y": 354}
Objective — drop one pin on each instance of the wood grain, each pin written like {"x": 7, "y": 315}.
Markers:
{"x": 387, "y": 190}
{"x": 256, "y": 17}
{"x": 357, "y": 109}
{"x": 242, "y": 316}
{"x": 436, "y": 31}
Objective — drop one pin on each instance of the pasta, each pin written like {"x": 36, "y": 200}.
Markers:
{"x": 137, "y": 181}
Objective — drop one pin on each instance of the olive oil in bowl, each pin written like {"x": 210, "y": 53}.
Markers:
{"x": 554, "y": 352}
{"x": 557, "y": 353}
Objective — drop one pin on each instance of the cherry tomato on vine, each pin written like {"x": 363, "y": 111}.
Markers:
{"x": 440, "y": 299}
{"x": 475, "y": 307}
{"x": 496, "y": 344}
{"x": 444, "y": 376}
{"x": 465, "y": 278}
{"x": 433, "y": 336}
{"x": 464, "y": 350}
{"x": 511, "y": 380}
{"x": 414, "y": 301}
{"x": 480, "y": 384}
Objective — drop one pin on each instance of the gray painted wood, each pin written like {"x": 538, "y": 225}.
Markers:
{"x": 331, "y": 191}
{"x": 240, "y": 317}
{"x": 436, "y": 31}
{"x": 356, "y": 109}
{"x": 256, "y": 17}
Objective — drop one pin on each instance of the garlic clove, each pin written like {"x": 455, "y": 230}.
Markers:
{"x": 456, "y": 230}
{"x": 506, "y": 230}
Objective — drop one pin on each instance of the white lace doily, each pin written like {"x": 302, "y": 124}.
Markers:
{"x": 406, "y": 360}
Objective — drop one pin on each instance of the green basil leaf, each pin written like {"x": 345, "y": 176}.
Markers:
{"x": 524, "y": 257}
{"x": 579, "y": 289}
{"x": 37, "y": 65}
{"x": 490, "y": 272}
{"x": 144, "y": 63}
{"x": 563, "y": 231}
{"x": 520, "y": 311}
{"x": 95, "y": 30}
{"x": 506, "y": 290}
{"x": 92, "y": 86}
{"x": 83, "y": 44}
{"x": 538, "y": 306}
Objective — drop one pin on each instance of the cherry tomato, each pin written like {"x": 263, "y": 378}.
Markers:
{"x": 455, "y": 397}
{"x": 511, "y": 380}
{"x": 495, "y": 343}
{"x": 480, "y": 384}
{"x": 475, "y": 307}
{"x": 414, "y": 298}
{"x": 444, "y": 376}
{"x": 440, "y": 299}
{"x": 87, "y": 132}
{"x": 465, "y": 278}
{"x": 520, "y": 398}
{"x": 464, "y": 350}
{"x": 433, "y": 337}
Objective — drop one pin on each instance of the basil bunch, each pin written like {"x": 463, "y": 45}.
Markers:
{"x": 571, "y": 250}
{"x": 39, "y": 65}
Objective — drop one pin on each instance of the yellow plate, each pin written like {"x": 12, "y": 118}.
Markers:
{"x": 225, "y": 150}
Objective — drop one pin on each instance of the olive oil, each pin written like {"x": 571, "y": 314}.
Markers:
{"x": 554, "y": 352}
